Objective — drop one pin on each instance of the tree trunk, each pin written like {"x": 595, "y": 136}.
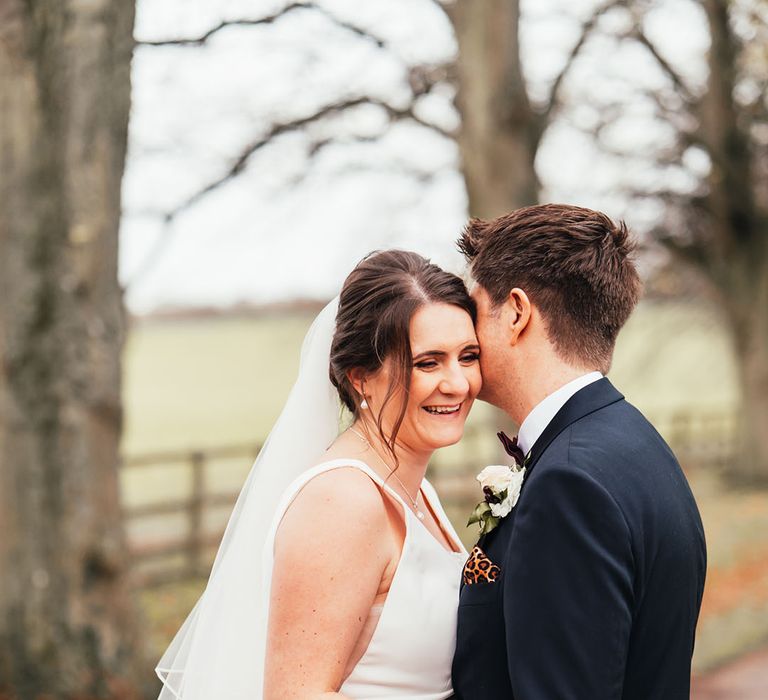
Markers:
{"x": 67, "y": 622}
{"x": 499, "y": 131}
{"x": 734, "y": 251}
{"x": 747, "y": 304}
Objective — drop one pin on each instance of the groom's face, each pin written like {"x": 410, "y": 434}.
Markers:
{"x": 493, "y": 338}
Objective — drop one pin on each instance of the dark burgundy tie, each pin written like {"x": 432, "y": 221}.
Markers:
{"x": 511, "y": 447}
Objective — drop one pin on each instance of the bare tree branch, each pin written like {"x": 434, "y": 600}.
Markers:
{"x": 638, "y": 34}
{"x": 679, "y": 200}
{"x": 691, "y": 252}
{"x": 587, "y": 28}
{"x": 394, "y": 113}
{"x": 421, "y": 176}
{"x": 669, "y": 108}
{"x": 269, "y": 19}
{"x": 164, "y": 240}
{"x": 684, "y": 230}
{"x": 420, "y": 80}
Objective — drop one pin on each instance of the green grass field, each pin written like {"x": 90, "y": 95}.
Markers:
{"x": 206, "y": 382}
{"x": 202, "y": 383}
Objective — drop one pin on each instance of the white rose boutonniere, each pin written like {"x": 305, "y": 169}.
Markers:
{"x": 501, "y": 486}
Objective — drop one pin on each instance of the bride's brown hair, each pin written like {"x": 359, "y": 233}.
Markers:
{"x": 376, "y": 304}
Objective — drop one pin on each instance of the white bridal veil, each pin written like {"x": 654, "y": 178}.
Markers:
{"x": 219, "y": 651}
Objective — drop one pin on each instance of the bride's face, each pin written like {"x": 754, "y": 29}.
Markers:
{"x": 445, "y": 379}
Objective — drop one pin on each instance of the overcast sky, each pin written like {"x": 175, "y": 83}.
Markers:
{"x": 293, "y": 224}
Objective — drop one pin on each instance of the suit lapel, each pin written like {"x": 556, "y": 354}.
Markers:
{"x": 591, "y": 398}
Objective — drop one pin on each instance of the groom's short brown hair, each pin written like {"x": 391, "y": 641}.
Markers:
{"x": 576, "y": 266}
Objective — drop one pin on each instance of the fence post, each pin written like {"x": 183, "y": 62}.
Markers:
{"x": 680, "y": 434}
{"x": 196, "y": 504}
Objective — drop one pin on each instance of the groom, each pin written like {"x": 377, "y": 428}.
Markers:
{"x": 600, "y": 566}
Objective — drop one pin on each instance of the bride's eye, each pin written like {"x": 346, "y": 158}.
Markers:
{"x": 470, "y": 357}
{"x": 426, "y": 364}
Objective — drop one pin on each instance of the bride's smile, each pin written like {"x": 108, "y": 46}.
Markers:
{"x": 444, "y": 380}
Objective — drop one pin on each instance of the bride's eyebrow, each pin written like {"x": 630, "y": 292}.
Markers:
{"x": 469, "y": 345}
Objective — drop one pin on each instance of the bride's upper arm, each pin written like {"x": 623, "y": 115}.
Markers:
{"x": 330, "y": 555}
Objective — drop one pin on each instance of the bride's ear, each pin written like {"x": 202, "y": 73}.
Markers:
{"x": 518, "y": 313}
{"x": 356, "y": 378}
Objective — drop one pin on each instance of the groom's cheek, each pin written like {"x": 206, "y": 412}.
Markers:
{"x": 486, "y": 375}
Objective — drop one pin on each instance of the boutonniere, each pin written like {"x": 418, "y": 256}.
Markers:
{"x": 501, "y": 486}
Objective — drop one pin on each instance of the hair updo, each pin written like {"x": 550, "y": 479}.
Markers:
{"x": 376, "y": 305}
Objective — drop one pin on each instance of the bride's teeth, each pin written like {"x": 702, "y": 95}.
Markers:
{"x": 442, "y": 409}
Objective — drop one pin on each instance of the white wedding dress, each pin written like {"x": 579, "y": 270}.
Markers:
{"x": 219, "y": 652}
{"x": 409, "y": 656}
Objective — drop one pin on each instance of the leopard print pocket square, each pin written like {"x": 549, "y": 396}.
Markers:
{"x": 479, "y": 568}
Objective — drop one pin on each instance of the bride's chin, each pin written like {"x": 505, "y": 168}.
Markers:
{"x": 438, "y": 439}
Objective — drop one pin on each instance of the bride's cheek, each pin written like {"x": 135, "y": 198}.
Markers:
{"x": 475, "y": 383}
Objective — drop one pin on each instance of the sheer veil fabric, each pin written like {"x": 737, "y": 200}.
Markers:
{"x": 219, "y": 650}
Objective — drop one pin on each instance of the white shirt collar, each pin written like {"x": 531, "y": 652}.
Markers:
{"x": 542, "y": 414}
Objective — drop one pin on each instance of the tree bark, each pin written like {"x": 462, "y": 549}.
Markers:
{"x": 67, "y": 620}
{"x": 499, "y": 132}
{"x": 749, "y": 324}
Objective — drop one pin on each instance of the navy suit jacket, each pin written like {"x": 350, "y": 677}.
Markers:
{"x": 602, "y": 568}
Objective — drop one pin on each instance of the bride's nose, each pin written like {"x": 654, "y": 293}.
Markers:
{"x": 454, "y": 381}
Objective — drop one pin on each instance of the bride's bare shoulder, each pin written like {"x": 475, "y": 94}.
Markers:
{"x": 342, "y": 494}
{"x": 347, "y": 483}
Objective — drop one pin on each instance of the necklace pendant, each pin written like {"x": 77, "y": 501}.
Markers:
{"x": 419, "y": 515}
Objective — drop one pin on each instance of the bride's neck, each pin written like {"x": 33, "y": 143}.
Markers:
{"x": 410, "y": 466}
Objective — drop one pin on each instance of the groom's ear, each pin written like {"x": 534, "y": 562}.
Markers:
{"x": 518, "y": 313}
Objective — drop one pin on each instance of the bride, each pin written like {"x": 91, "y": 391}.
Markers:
{"x": 338, "y": 575}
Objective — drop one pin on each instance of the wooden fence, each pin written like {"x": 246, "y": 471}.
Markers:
{"x": 158, "y": 557}
{"x": 161, "y": 554}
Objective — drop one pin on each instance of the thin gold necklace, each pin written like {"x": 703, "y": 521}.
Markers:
{"x": 414, "y": 502}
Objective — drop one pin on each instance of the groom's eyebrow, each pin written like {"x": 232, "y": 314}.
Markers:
{"x": 469, "y": 345}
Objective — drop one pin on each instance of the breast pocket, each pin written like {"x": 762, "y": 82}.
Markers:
{"x": 481, "y": 578}
{"x": 480, "y": 593}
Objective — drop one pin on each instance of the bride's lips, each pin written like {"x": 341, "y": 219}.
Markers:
{"x": 444, "y": 410}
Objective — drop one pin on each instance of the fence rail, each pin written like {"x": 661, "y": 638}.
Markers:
{"x": 160, "y": 555}
{"x": 158, "y": 558}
